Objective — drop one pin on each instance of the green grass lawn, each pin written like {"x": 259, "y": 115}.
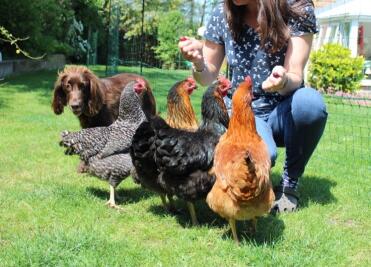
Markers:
{"x": 52, "y": 216}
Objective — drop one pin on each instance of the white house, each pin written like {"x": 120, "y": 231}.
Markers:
{"x": 347, "y": 22}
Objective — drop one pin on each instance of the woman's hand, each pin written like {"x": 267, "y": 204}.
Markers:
{"x": 277, "y": 81}
{"x": 191, "y": 50}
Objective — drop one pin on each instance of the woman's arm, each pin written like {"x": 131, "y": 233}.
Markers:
{"x": 285, "y": 79}
{"x": 207, "y": 58}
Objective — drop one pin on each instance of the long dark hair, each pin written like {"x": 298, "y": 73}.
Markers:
{"x": 273, "y": 16}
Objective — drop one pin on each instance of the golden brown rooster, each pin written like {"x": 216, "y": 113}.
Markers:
{"x": 242, "y": 190}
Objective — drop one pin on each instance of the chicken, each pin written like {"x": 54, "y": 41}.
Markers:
{"x": 184, "y": 159}
{"x": 242, "y": 164}
{"x": 180, "y": 114}
{"x": 105, "y": 150}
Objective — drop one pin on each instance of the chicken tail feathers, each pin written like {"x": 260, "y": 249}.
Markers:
{"x": 250, "y": 164}
{"x": 142, "y": 139}
{"x": 256, "y": 179}
{"x": 70, "y": 141}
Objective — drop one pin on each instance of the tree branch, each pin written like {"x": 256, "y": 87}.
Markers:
{"x": 9, "y": 38}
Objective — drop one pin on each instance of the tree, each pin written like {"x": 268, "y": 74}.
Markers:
{"x": 154, "y": 9}
{"x": 203, "y": 12}
{"x": 7, "y": 37}
{"x": 170, "y": 28}
{"x": 49, "y": 24}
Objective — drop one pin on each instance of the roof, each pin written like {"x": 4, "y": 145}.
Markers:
{"x": 341, "y": 9}
{"x": 322, "y": 3}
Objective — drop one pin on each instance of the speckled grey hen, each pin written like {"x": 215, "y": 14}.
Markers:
{"x": 105, "y": 150}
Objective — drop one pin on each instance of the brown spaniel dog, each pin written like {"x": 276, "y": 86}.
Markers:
{"x": 95, "y": 101}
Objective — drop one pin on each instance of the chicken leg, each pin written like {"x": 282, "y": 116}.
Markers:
{"x": 192, "y": 212}
{"x": 254, "y": 223}
{"x": 169, "y": 206}
{"x": 232, "y": 223}
{"x": 112, "y": 202}
{"x": 163, "y": 200}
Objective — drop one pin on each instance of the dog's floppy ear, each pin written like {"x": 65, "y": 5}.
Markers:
{"x": 59, "y": 98}
{"x": 96, "y": 95}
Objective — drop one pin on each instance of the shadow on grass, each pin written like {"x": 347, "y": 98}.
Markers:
{"x": 269, "y": 231}
{"x": 5, "y": 95}
{"x": 204, "y": 214}
{"x": 317, "y": 190}
{"x": 3, "y": 103}
{"x": 123, "y": 196}
{"x": 312, "y": 189}
{"x": 39, "y": 82}
{"x": 269, "y": 228}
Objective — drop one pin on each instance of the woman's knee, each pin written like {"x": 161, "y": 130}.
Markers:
{"x": 308, "y": 107}
{"x": 266, "y": 134}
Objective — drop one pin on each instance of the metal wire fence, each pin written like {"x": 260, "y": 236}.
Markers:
{"x": 347, "y": 137}
{"x": 346, "y": 142}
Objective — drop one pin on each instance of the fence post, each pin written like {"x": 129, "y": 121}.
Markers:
{"x": 142, "y": 41}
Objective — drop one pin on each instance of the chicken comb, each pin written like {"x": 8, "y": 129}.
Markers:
{"x": 224, "y": 80}
{"x": 183, "y": 38}
{"x": 139, "y": 85}
{"x": 191, "y": 80}
{"x": 248, "y": 80}
{"x": 140, "y": 81}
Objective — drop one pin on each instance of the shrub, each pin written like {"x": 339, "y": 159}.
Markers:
{"x": 333, "y": 69}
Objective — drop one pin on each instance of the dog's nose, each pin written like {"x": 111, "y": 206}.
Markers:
{"x": 75, "y": 106}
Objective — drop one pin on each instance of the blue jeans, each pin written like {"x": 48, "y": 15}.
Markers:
{"x": 297, "y": 123}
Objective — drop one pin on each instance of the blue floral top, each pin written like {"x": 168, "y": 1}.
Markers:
{"x": 247, "y": 58}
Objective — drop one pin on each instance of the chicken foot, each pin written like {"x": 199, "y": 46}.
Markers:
{"x": 169, "y": 206}
{"x": 112, "y": 202}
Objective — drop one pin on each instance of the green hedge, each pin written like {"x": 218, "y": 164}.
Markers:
{"x": 332, "y": 68}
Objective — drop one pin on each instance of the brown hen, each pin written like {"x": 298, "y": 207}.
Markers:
{"x": 242, "y": 190}
{"x": 180, "y": 113}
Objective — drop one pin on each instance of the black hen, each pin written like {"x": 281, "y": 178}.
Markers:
{"x": 145, "y": 172}
{"x": 180, "y": 115}
{"x": 105, "y": 150}
{"x": 184, "y": 159}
